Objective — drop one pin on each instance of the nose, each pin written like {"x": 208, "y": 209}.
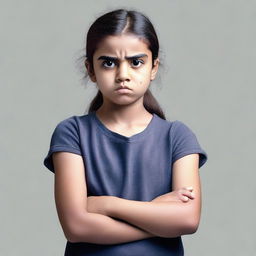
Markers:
{"x": 122, "y": 73}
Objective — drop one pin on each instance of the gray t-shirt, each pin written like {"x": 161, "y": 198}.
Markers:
{"x": 138, "y": 167}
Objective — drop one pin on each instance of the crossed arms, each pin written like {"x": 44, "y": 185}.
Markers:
{"x": 114, "y": 220}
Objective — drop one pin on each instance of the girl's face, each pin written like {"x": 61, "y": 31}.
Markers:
{"x": 113, "y": 68}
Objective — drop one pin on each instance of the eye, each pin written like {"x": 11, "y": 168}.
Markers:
{"x": 137, "y": 62}
{"x": 107, "y": 62}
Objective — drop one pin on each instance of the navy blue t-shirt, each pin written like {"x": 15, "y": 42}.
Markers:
{"x": 138, "y": 167}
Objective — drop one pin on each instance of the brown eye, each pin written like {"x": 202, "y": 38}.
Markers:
{"x": 108, "y": 62}
{"x": 137, "y": 62}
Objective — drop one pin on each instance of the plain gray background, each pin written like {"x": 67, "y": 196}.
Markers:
{"x": 208, "y": 82}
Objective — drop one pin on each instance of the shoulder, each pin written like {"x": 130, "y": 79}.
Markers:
{"x": 73, "y": 123}
{"x": 69, "y": 130}
{"x": 174, "y": 128}
{"x": 66, "y": 137}
{"x": 69, "y": 121}
{"x": 184, "y": 141}
{"x": 180, "y": 128}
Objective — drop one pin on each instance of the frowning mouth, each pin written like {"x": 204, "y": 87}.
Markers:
{"x": 123, "y": 87}
{"x": 123, "y": 90}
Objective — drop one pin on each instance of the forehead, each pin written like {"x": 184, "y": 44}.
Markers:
{"x": 122, "y": 45}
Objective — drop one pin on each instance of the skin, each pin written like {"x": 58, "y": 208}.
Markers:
{"x": 123, "y": 112}
{"x": 89, "y": 219}
{"x": 103, "y": 204}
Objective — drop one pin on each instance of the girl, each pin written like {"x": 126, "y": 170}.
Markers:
{"x": 126, "y": 179}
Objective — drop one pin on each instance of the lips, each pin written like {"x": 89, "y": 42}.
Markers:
{"x": 123, "y": 87}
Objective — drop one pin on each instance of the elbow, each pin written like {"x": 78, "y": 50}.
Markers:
{"x": 187, "y": 223}
{"x": 71, "y": 237}
{"x": 185, "y": 228}
{"x": 192, "y": 226}
{"x": 193, "y": 215}
{"x": 71, "y": 234}
{"x": 74, "y": 238}
{"x": 75, "y": 230}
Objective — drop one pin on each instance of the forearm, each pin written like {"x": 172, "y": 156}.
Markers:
{"x": 164, "y": 219}
{"x": 100, "y": 229}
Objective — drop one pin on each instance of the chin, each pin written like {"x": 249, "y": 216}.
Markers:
{"x": 122, "y": 100}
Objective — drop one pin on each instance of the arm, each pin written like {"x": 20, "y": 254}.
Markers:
{"x": 100, "y": 229}
{"x": 71, "y": 199}
{"x": 165, "y": 219}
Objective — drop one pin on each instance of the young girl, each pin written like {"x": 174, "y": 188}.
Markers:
{"x": 126, "y": 179}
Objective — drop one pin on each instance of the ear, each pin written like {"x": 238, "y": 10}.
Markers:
{"x": 154, "y": 69}
{"x": 90, "y": 71}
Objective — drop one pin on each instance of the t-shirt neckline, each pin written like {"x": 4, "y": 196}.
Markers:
{"x": 118, "y": 136}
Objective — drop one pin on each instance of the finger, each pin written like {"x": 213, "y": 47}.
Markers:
{"x": 184, "y": 198}
{"x": 189, "y": 194}
{"x": 182, "y": 195}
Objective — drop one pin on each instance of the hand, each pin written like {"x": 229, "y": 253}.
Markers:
{"x": 182, "y": 194}
{"x": 98, "y": 204}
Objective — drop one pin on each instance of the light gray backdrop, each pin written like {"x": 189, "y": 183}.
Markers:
{"x": 208, "y": 82}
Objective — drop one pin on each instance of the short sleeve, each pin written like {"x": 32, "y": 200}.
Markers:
{"x": 184, "y": 142}
{"x": 65, "y": 137}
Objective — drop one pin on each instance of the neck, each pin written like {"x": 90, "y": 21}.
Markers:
{"x": 127, "y": 114}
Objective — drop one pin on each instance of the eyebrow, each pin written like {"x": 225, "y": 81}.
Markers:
{"x": 126, "y": 57}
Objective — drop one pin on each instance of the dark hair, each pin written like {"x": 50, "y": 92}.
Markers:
{"x": 119, "y": 22}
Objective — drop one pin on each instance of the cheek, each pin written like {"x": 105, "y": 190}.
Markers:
{"x": 105, "y": 78}
{"x": 144, "y": 75}
{"x": 143, "y": 85}
{"x": 144, "y": 79}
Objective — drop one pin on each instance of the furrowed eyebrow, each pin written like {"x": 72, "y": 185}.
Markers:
{"x": 126, "y": 57}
